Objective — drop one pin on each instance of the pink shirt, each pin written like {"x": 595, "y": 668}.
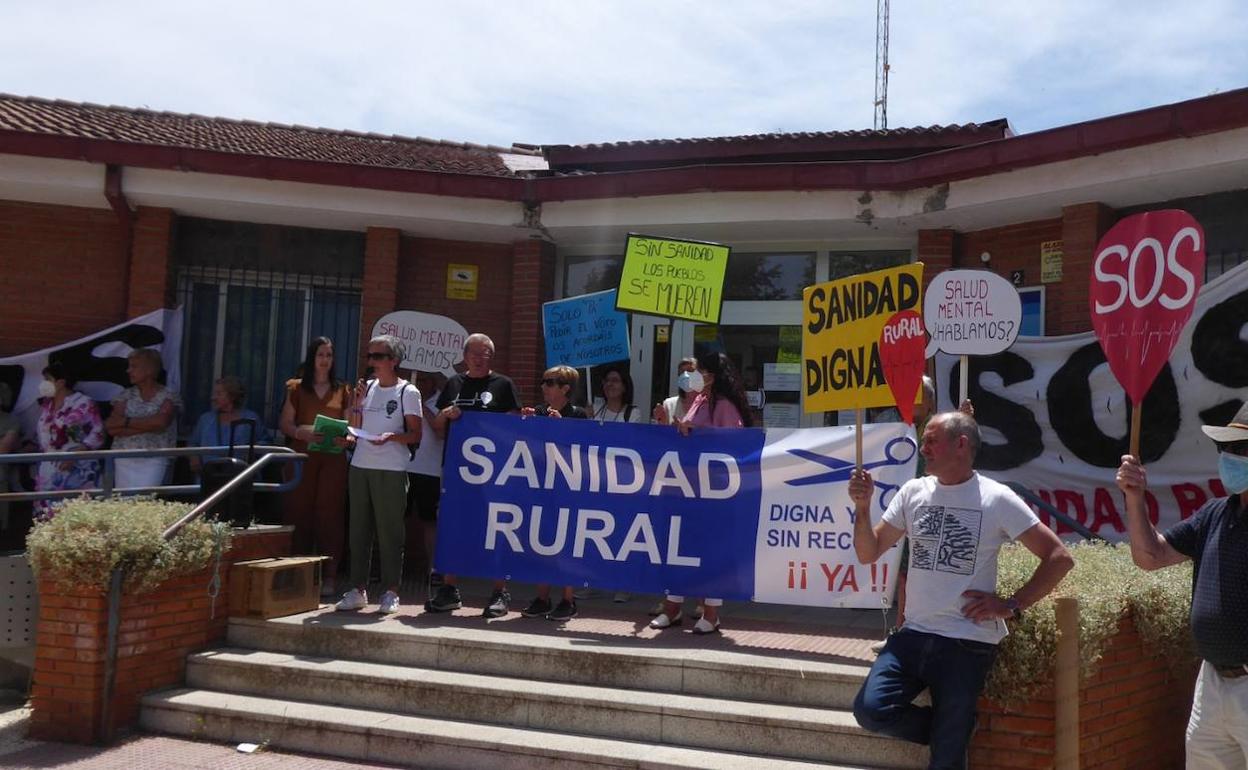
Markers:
{"x": 724, "y": 415}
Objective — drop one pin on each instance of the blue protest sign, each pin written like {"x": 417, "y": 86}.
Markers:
{"x": 731, "y": 513}
{"x": 585, "y": 330}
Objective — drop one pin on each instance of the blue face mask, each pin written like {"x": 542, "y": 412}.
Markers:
{"x": 1233, "y": 470}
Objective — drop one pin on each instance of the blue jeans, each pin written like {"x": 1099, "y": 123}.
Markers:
{"x": 953, "y": 670}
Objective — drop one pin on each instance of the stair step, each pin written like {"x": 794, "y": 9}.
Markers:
{"x": 646, "y": 664}
{"x": 708, "y": 722}
{"x": 375, "y": 736}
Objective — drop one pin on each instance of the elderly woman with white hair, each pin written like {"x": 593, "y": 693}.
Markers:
{"x": 143, "y": 417}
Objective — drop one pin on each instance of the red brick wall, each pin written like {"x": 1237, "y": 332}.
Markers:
{"x": 158, "y": 630}
{"x": 151, "y": 276}
{"x": 381, "y": 271}
{"x": 1132, "y": 714}
{"x": 422, "y": 286}
{"x": 62, "y": 257}
{"x": 532, "y": 283}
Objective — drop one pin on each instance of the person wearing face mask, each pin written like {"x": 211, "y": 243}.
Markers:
{"x": 1216, "y": 539}
{"x": 68, "y": 422}
{"x": 689, "y": 383}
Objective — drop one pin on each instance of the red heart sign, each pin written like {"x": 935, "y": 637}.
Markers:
{"x": 1145, "y": 276}
{"x": 902, "y": 352}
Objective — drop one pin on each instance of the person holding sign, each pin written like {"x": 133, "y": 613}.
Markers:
{"x": 1217, "y": 541}
{"x": 558, "y": 382}
{"x": 479, "y": 389}
{"x": 721, "y": 404}
{"x": 957, "y": 522}
{"x": 317, "y": 507}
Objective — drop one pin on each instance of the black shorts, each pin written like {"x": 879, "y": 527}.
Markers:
{"x": 423, "y": 493}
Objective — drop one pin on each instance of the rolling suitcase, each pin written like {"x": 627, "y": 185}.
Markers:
{"x": 239, "y": 506}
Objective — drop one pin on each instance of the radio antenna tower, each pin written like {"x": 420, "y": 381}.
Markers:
{"x": 881, "y": 64}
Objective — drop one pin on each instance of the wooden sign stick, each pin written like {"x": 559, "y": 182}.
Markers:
{"x": 1136, "y": 411}
{"x": 964, "y": 378}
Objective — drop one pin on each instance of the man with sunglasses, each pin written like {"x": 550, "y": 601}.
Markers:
{"x": 479, "y": 389}
{"x": 1216, "y": 539}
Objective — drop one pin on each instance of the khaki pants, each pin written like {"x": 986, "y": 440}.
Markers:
{"x": 1217, "y": 732}
{"x": 378, "y": 502}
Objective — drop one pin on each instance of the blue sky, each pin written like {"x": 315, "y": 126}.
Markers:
{"x": 575, "y": 72}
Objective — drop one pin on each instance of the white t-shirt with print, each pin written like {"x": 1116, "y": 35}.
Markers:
{"x": 603, "y": 414}
{"x": 428, "y": 458}
{"x": 955, "y": 531}
{"x": 383, "y": 414}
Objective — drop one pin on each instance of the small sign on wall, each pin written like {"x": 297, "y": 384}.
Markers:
{"x": 461, "y": 281}
{"x": 1050, "y": 261}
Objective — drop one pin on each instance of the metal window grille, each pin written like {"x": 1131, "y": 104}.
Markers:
{"x": 256, "y": 325}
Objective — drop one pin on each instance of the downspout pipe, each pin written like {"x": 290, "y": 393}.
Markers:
{"x": 116, "y": 198}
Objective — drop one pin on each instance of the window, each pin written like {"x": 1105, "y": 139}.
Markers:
{"x": 768, "y": 276}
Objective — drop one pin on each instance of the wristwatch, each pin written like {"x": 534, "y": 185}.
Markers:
{"x": 1013, "y": 606}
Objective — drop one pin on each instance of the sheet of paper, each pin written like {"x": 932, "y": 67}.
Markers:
{"x": 364, "y": 435}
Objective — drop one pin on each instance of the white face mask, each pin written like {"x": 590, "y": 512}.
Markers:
{"x": 47, "y": 389}
{"x": 691, "y": 382}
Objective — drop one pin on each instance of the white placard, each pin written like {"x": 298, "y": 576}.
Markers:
{"x": 782, "y": 415}
{"x": 971, "y": 313}
{"x": 431, "y": 343}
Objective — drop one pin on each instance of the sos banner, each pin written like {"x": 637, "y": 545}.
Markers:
{"x": 732, "y": 513}
{"x": 1056, "y": 420}
{"x": 841, "y": 327}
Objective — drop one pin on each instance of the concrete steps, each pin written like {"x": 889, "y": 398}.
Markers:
{"x": 433, "y": 693}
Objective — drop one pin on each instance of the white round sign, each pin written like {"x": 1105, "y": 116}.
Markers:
{"x": 971, "y": 313}
{"x": 431, "y": 343}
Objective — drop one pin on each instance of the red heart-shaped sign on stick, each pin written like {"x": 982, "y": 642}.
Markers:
{"x": 902, "y": 352}
{"x": 1145, "y": 276}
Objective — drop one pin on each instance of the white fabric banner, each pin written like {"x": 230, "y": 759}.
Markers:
{"x": 98, "y": 361}
{"x": 1056, "y": 421}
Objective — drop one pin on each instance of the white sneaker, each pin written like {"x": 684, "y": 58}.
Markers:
{"x": 621, "y": 597}
{"x": 663, "y": 621}
{"x": 389, "y": 603}
{"x": 355, "y": 599}
{"x": 704, "y": 626}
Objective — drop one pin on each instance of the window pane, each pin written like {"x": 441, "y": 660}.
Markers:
{"x": 336, "y": 314}
{"x": 198, "y": 350}
{"x": 843, "y": 264}
{"x": 247, "y": 323}
{"x": 768, "y": 276}
{"x": 586, "y": 275}
{"x": 755, "y": 350}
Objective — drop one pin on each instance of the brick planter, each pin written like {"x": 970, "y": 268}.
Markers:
{"x": 158, "y": 629}
{"x": 1132, "y": 714}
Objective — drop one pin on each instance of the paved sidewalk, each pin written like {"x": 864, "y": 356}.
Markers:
{"x": 147, "y": 752}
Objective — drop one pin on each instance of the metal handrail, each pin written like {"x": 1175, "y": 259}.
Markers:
{"x": 229, "y": 487}
{"x": 1048, "y": 508}
{"x": 108, "y": 456}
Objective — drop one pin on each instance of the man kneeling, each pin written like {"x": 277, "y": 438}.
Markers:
{"x": 957, "y": 522}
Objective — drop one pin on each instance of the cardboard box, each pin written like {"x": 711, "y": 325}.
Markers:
{"x": 271, "y": 588}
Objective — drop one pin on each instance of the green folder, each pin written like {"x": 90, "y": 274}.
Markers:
{"x": 329, "y": 428}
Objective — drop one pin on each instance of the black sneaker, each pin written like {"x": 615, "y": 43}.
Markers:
{"x": 436, "y": 580}
{"x": 565, "y": 610}
{"x": 444, "y": 600}
{"x": 537, "y": 608}
{"x": 499, "y": 605}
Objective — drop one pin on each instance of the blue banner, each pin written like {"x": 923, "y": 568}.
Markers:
{"x": 585, "y": 330}
{"x": 731, "y": 513}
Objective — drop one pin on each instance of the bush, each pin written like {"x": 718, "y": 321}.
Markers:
{"x": 1108, "y": 585}
{"x": 87, "y": 538}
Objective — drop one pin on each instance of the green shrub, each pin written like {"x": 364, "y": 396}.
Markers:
{"x": 1108, "y": 585}
{"x": 87, "y": 538}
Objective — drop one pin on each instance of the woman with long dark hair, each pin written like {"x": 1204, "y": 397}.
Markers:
{"x": 616, "y": 397}
{"x": 721, "y": 404}
{"x": 317, "y": 507}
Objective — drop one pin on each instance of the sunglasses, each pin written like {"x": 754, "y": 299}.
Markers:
{"x": 553, "y": 382}
{"x": 379, "y": 356}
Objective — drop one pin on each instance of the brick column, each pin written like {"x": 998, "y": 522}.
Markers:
{"x": 935, "y": 251}
{"x": 532, "y": 283}
{"x": 1066, "y": 303}
{"x": 151, "y": 255}
{"x": 381, "y": 280}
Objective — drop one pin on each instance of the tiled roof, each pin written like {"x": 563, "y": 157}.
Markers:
{"x": 244, "y": 137}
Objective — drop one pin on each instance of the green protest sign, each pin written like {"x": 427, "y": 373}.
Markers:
{"x": 673, "y": 278}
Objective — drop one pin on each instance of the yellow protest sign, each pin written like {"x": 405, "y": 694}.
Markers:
{"x": 841, "y": 326}
{"x": 673, "y": 278}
